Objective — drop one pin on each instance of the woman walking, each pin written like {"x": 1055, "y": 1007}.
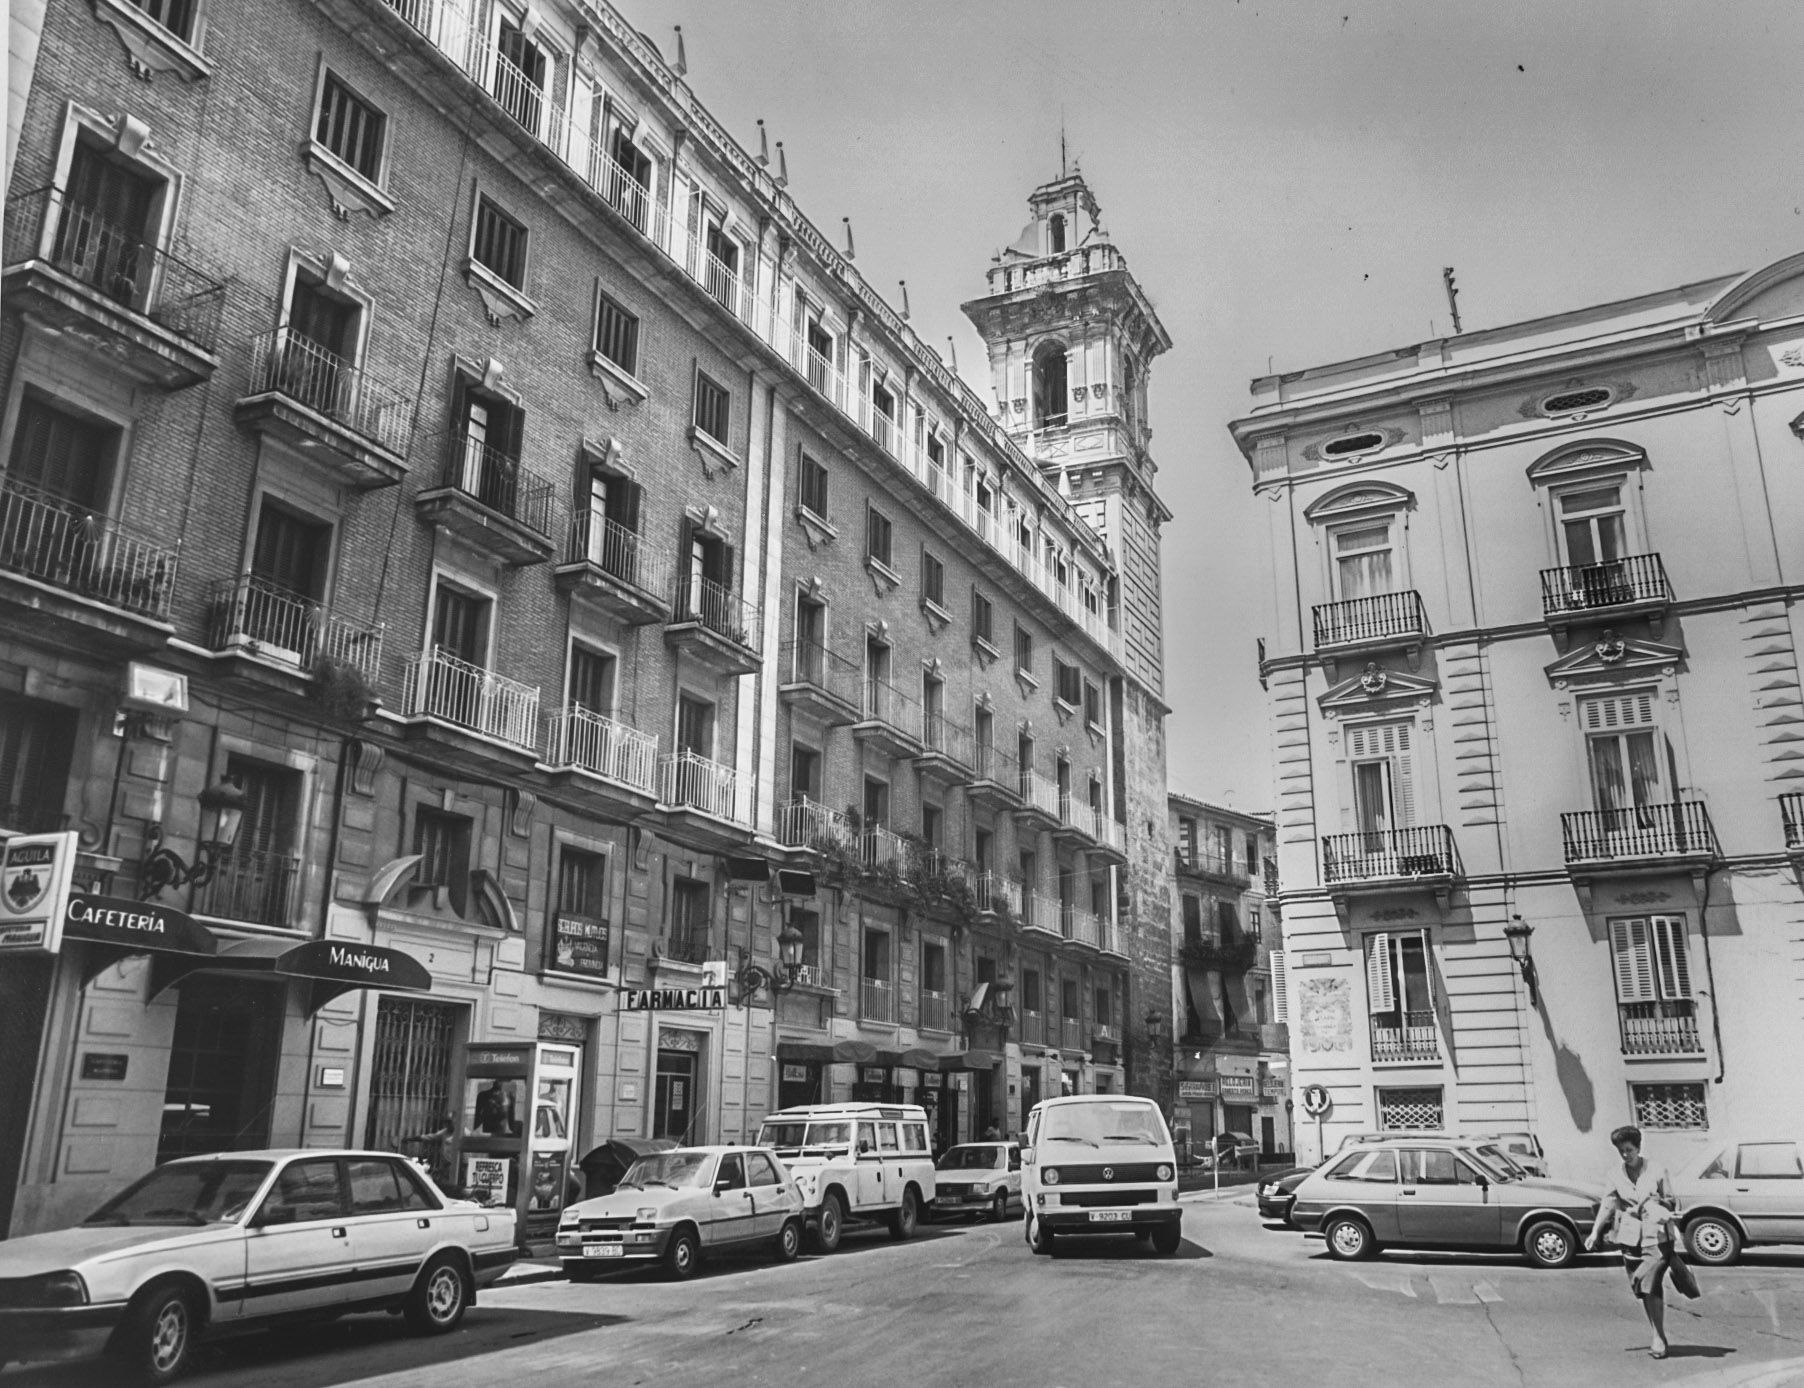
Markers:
{"x": 1638, "y": 1197}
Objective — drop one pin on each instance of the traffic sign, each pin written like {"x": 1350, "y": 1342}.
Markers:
{"x": 1315, "y": 1100}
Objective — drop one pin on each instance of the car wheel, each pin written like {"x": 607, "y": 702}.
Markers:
{"x": 907, "y": 1215}
{"x": 682, "y": 1254}
{"x": 440, "y": 1296}
{"x": 1039, "y": 1237}
{"x": 999, "y": 1207}
{"x": 789, "y": 1241}
{"x": 831, "y": 1225}
{"x": 1548, "y": 1244}
{"x": 1167, "y": 1237}
{"x": 582, "y": 1272}
{"x": 1713, "y": 1240}
{"x": 156, "y": 1345}
{"x": 1349, "y": 1239}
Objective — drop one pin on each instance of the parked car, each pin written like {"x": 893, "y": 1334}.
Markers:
{"x": 208, "y": 1246}
{"x": 978, "y": 1178}
{"x": 1740, "y": 1193}
{"x": 856, "y": 1161}
{"x": 1521, "y": 1147}
{"x": 1231, "y": 1150}
{"x": 1278, "y": 1191}
{"x": 1424, "y": 1192}
{"x": 675, "y": 1207}
{"x": 1100, "y": 1164}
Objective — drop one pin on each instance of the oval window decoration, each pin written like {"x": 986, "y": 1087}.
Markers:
{"x": 1575, "y": 401}
{"x": 1353, "y": 443}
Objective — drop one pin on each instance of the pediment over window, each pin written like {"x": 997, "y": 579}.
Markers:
{"x": 1376, "y": 688}
{"x": 1359, "y": 497}
{"x": 1583, "y": 458}
{"x": 1612, "y": 656}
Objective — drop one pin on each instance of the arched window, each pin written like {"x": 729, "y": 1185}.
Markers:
{"x": 1055, "y": 230}
{"x": 1049, "y": 386}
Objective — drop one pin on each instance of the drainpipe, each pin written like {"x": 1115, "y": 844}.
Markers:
{"x": 1716, "y": 1011}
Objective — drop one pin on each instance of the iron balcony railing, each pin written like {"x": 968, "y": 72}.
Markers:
{"x": 1082, "y": 816}
{"x": 1680, "y": 829}
{"x": 1271, "y": 877}
{"x": 805, "y": 823}
{"x": 1038, "y": 792}
{"x": 45, "y": 538}
{"x": 994, "y": 892}
{"x": 1791, "y": 812}
{"x": 1071, "y": 1034}
{"x": 687, "y": 944}
{"x": 1080, "y": 926}
{"x": 717, "y": 609}
{"x": 811, "y": 663}
{"x": 270, "y": 620}
{"x": 1201, "y": 858}
{"x": 1405, "y": 1036}
{"x": 882, "y": 848}
{"x": 439, "y": 685}
{"x": 1032, "y": 1027}
{"x": 948, "y": 738}
{"x": 1041, "y": 912}
{"x": 1423, "y": 850}
{"x": 933, "y": 1010}
{"x": 885, "y": 704}
{"x": 998, "y": 766}
{"x": 1359, "y": 621}
{"x": 253, "y": 886}
{"x": 1637, "y": 578}
{"x": 116, "y": 262}
{"x": 691, "y": 781}
{"x": 621, "y": 554}
{"x": 498, "y": 480}
{"x": 287, "y": 363}
{"x": 876, "y": 1000}
{"x": 1660, "y": 1028}
{"x": 582, "y": 738}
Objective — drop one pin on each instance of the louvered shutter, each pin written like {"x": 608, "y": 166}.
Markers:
{"x": 1381, "y": 987}
{"x": 1634, "y": 961}
{"x": 1280, "y": 989}
{"x": 1672, "y": 967}
{"x": 1403, "y": 782}
{"x": 1619, "y": 712}
{"x": 582, "y": 111}
{"x": 630, "y": 495}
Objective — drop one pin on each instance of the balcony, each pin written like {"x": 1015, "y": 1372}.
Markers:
{"x": 1422, "y": 857}
{"x": 821, "y": 683}
{"x": 485, "y": 496}
{"x": 1672, "y": 837}
{"x": 1031, "y": 1029}
{"x": 444, "y": 694}
{"x": 1383, "y": 622}
{"x": 703, "y": 802}
{"x": 890, "y": 721}
{"x": 1079, "y": 823}
{"x": 148, "y": 312}
{"x": 1635, "y": 585}
{"x": 933, "y": 1011}
{"x": 252, "y": 886}
{"x": 1406, "y": 1038}
{"x": 1200, "y": 861}
{"x": 996, "y": 782}
{"x": 884, "y": 852}
{"x": 686, "y": 946}
{"x": 1040, "y": 912}
{"x": 947, "y": 750}
{"x": 253, "y": 617}
{"x": 1235, "y": 955}
{"x": 1039, "y": 797}
{"x": 997, "y": 895}
{"x": 876, "y": 1000}
{"x": 1081, "y": 927}
{"x": 355, "y": 424}
{"x": 806, "y": 823}
{"x": 1071, "y": 1034}
{"x": 104, "y": 578}
{"x": 714, "y": 624}
{"x": 1110, "y": 939}
{"x": 1660, "y": 1028}
{"x": 618, "y": 572}
{"x": 616, "y": 763}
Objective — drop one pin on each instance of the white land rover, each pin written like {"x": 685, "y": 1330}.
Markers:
{"x": 855, "y": 1162}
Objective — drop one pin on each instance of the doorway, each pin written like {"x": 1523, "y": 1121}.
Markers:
{"x": 798, "y": 1082}
{"x": 1030, "y": 1093}
{"x": 675, "y": 1111}
{"x": 222, "y": 1067}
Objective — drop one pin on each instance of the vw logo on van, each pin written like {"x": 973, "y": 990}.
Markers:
{"x": 1108, "y": 1173}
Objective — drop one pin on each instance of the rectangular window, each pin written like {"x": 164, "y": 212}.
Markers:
{"x": 499, "y": 243}
{"x": 350, "y": 128}
{"x": 808, "y": 924}
{"x": 690, "y": 902}
{"x": 1024, "y": 649}
{"x": 814, "y": 488}
{"x": 37, "y": 741}
{"x": 1400, "y": 997}
{"x": 876, "y": 955}
{"x": 876, "y": 803}
{"x": 1669, "y": 1107}
{"x": 177, "y": 16}
{"x": 1362, "y": 561}
{"x": 1382, "y": 781}
{"x": 1105, "y": 1013}
{"x": 460, "y": 623}
{"x": 62, "y": 456}
{"x": 616, "y": 334}
{"x": 443, "y": 842}
{"x": 877, "y": 536}
{"x": 581, "y": 883}
{"x": 933, "y": 579}
{"x": 1418, "y": 1110}
{"x": 983, "y": 618}
{"x": 713, "y": 408}
{"x": 1069, "y": 682}
{"x": 1193, "y": 919}
{"x": 254, "y": 880}
{"x": 804, "y": 773}
{"x": 933, "y": 820}
{"x": 1653, "y": 986}
{"x": 1626, "y": 752}
{"x": 1069, "y": 1006}
{"x": 1030, "y": 991}
{"x": 1092, "y": 705}
{"x": 592, "y": 680}
{"x": 1592, "y": 527}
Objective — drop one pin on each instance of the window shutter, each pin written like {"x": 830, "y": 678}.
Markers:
{"x": 727, "y": 566}
{"x": 1673, "y": 971}
{"x": 1634, "y": 964}
{"x": 630, "y": 495}
{"x": 1616, "y": 712}
{"x": 1381, "y": 990}
{"x": 1403, "y": 787}
{"x": 1280, "y": 989}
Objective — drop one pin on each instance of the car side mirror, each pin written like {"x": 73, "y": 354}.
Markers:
{"x": 1484, "y": 1183}
{"x": 1027, "y": 1156}
{"x": 279, "y": 1214}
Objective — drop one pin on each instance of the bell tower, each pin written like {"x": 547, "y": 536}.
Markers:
{"x": 1071, "y": 340}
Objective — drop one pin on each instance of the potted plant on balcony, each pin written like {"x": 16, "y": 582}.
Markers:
{"x": 343, "y": 690}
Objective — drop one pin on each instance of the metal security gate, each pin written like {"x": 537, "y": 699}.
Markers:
{"x": 411, "y": 1109}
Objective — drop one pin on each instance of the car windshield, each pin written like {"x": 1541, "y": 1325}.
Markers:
{"x": 970, "y": 1159}
{"x": 1494, "y": 1164}
{"x": 673, "y": 1169}
{"x": 1095, "y": 1124}
{"x": 209, "y": 1192}
{"x": 793, "y": 1134}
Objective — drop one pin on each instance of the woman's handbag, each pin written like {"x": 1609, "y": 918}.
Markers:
{"x": 1628, "y": 1230}
{"x": 1679, "y": 1271}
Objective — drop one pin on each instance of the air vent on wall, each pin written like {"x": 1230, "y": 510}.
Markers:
{"x": 1353, "y": 443}
{"x": 1577, "y": 401}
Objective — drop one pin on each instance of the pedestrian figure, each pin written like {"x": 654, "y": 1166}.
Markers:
{"x": 1638, "y": 1197}
{"x": 992, "y": 1133}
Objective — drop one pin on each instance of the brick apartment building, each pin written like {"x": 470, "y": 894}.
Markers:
{"x": 427, "y": 421}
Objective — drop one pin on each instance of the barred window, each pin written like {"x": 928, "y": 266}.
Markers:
{"x": 713, "y": 408}
{"x": 1669, "y": 1106}
{"x": 351, "y": 128}
{"x": 1419, "y": 1110}
{"x": 616, "y": 334}
{"x": 500, "y": 243}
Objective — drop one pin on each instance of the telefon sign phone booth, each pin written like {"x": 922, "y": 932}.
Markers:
{"x": 520, "y": 1101}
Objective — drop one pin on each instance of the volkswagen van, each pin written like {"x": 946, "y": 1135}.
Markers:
{"x": 855, "y": 1162}
{"x": 1100, "y": 1164}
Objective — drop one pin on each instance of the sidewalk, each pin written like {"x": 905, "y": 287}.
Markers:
{"x": 527, "y": 1271}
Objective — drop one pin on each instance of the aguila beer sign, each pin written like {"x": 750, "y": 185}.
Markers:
{"x": 35, "y": 871}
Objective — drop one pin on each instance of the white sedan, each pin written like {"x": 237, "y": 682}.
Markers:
{"x": 211, "y": 1245}
{"x": 978, "y": 1178}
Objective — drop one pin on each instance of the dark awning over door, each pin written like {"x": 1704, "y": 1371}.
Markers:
{"x": 116, "y": 928}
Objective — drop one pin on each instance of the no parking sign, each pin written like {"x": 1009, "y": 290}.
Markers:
{"x": 1315, "y": 1100}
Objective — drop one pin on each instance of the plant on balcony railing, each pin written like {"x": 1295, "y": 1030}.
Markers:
{"x": 343, "y": 691}
{"x": 1236, "y": 955}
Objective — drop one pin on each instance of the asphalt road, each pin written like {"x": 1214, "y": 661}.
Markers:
{"x": 969, "y": 1304}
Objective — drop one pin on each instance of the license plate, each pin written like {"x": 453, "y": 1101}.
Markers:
{"x": 1110, "y": 1216}
{"x": 603, "y": 1250}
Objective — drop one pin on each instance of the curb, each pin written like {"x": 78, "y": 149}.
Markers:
{"x": 525, "y": 1274}
{"x": 1214, "y": 1197}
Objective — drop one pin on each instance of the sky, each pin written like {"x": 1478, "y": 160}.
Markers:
{"x": 1286, "y": 181}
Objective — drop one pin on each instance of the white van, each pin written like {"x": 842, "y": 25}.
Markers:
{"x": 1100, "y": 1164}
{"x": 855, "y": 1162}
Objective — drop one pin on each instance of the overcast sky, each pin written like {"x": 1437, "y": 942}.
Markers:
{"x": 1286, "y": 180}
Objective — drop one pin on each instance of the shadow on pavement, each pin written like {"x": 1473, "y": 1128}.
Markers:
{"x": 1448, "y": 1258}
{"x": 1103, "y": 1248}
{"x": 1693, "y": 1351}
{"x": 852, "y": 1244}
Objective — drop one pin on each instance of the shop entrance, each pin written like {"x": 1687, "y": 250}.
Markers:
{"x": 1030, "y": 1093}
{"x": 410, "y": 1083}
{"x": 875, "y": 1085}
{"x": 798, "y": 1082}
{"x": 941, "y": 1103}
{"x": 675, "y": 1108}
{"x": 222, "y": 1067}
{"x": 983, "y": 1104}
{"x": 1268, "y": 1135}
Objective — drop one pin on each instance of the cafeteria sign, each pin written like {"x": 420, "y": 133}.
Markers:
{"x": 675, "y": 999}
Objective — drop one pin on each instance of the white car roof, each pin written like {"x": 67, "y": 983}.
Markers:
{"x": 850, "y": 1110}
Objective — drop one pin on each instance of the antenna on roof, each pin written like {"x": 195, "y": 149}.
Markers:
{"x": 1062, "y": 173}
{"x": 1452, "y": 296}
{"x": 681, "y": 66}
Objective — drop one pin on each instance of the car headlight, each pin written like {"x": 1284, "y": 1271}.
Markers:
{"x": 1050, "y": 1176}
{"x": 646, "y": 1214}
{"x": 1164, "y": 1172}
{"x": 50, "y": 1289}
{"x": 1268, "y": 1190}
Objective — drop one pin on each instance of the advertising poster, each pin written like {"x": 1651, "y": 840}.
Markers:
{"x": 485, "y": 1178}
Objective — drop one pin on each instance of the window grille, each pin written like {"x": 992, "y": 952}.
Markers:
{"x": 1670, "y": 1106}
{"x": 1417, "y": 1110}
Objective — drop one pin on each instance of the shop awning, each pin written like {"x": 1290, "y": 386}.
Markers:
{"x": 971, "y": 1060}
{"x": 920, "y": 1058}
{"x": 805, "y": 1051}
{"x": 854, "y": 1051}
{"x": 115, "y": 928}
{"x": 330, "y": 967}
